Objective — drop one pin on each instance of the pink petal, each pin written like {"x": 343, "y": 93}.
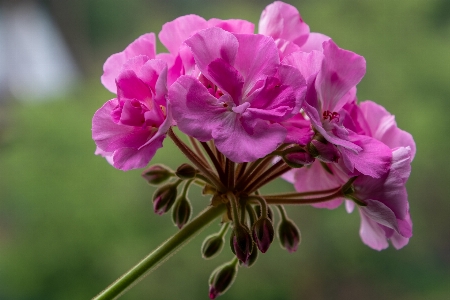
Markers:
{"x": 132, "y": 158}
{"x": 227, "y": 78}
{"x": 380, "y": 213}
{"x": 211, "y": 44}
{"x": 174, "y": 33}
{"x": 235, "y": 143}
{"x": 282, "y": 21}
{"x": 154, "y": 74}
{"x": 372, "y": 234}
{"x": 299, "y": 130}
{"x": 256, "y": 58}
{"x": 314, "y": 42}
{"x": 195, "y": 110}
{"x": 341, "y": 70}
{"x": 308, "y": 64}
{"x": 374, "y": 160}
{"x": 129, "y": 86}
{"x": 384, "y": 128}
{"x": 143, "y": 45}
{"x": 233, "y": 25}
{"x": 110, "y": 136}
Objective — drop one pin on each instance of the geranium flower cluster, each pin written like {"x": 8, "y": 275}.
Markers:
{"x": 255, "y": 107}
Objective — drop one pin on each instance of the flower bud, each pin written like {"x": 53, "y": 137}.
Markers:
{"x": 251, "y": 260}
{"x": 186, "y": 171}
{"x": 289, "y": 235}
{"x": 221, "y": 279}
{"x": 164, "y": 198}
{"x": 298, "y": 159}
{"x": 156, "y": 174}
{"x": 241, "y": 243}
{"x": 212, "y": 246}
{"x": 263, "y": 233}
{"x": 181, "y": 212}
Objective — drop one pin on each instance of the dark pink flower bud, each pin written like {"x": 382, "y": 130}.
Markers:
{"x": 157, "y": 174}
{"x": 263, "y": 233}
{"x": 298, "y": 159}
{"x": 186, "y": 171}
{"x": 251, "y": 260}
{"x": 221, "y": 279}
{"x": 241, "y": 243}
{"x": 289, "y": 235}
{"x": 164, "y": 198}
{"x": 181, "y": 212}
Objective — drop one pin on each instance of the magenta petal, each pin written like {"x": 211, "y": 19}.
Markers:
{"x": 210, "y": 44}
{"x": 195, "y": 110}
{"x": 282, "y": 21}
{"x": 233, "y": 25}
{"x": 308, "y": 64}
{"x": 341, "y": 70}
{"x": 257, "y": 57}
{"x": 143, "y": 45}
{"x": 314, "y": 42}
{"x": 235, "y": 143}
{"x": 110, "y": 136}
{"x": 306, "y": 180}
{"x": 154, "y": 74}
{"x": 227, "y": 78}
{"x": 174, "y": 33}
{"x": 374, "y": 160}
{"x": 380, "y": 213}
{"x": 132, "y": 158}
{"x": 384, "y": 128}
{"x": 299, "y": 130}
{"x": 129, "y": 86}
{"x": 372, "y": 234}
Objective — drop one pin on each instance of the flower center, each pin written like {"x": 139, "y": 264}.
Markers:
{"x": 331, "y": 115}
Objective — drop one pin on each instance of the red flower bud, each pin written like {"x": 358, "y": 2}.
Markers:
{"x": 221, "y": 279}
{"x": 164, "y": 198}
{"x": 263, "y": 233}
{"x": 289, "y": 235}
{"x": 156, "y": 174}
{"x": 241, "y": 243}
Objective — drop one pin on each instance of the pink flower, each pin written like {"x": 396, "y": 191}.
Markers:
{"x": 332, "y": 77}
{"x": 241, "y": 95}
{"x": 386, "y": 214}
{"x": 130, "y": 128}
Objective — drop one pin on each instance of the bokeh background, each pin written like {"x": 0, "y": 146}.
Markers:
{"x": 70, "y": 224}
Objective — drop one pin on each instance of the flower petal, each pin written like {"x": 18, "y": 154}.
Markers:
{"x": 143, "y": 45}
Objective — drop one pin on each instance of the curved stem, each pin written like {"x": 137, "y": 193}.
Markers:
{"x": 160, "y": 254}
{"x": 304, "y": 201}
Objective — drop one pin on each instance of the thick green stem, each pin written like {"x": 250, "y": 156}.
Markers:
{"x": 160, "y": 254}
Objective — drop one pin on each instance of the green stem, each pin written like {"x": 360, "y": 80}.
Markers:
{"x": 305, "y": 200}
{"x": 160, "y": 254}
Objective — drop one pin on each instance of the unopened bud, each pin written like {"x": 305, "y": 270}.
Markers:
{"x": 221, "y": 279}
{"x": 212, "y": 246}
{"x": 156, "y": 174}
{"x": 298, "y": 159}
{"x": 251, "y": 260}
{"x": 186, "y": 171}
{"x": 181, "y": 212}
{"x": 289, "y": 235}
{"x": 241, "y": 243}
{"x": 164, "y": 198}
{"x": 263, "y": 233}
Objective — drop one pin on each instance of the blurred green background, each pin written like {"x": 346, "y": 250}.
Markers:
{"x": 70, "y": 224}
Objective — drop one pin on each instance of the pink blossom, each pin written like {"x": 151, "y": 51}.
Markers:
{"x": 130, "y": 128}
{"x": 242, "y": 95}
